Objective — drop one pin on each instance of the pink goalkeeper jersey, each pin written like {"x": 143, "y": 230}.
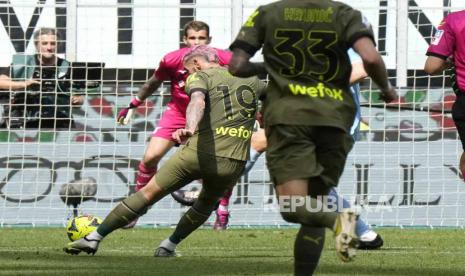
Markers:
{"x": 450, "y": 40}
{"x": 171, "y": 69}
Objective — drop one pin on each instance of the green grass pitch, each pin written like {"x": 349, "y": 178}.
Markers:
{"x": 38, "y": 251}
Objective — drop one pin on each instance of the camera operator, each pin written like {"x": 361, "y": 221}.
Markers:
{"x": 39, "y": 87}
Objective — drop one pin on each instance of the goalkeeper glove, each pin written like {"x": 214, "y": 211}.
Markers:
{"x": 125, "y": 114}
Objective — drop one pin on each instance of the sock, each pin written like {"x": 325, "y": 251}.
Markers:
{"x": 125, "y": 212}
{"x": 254, "y": 155}
{"x": 168, "y": 244}
{"x": 94, "y": 235}
{"x": 361, "y": 226}
{"x": 225, "y": 199}
{"x": 190, "y": 221}
{"x": 144, "y": 175}
{"x": 307, "y": 249}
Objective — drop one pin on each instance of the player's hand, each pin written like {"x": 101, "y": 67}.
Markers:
{"x": 30, "y": 82}
{"x": 181, "y": 135}
{"x": 388, "y": 95}
{"x": 125, "y": 114}
{"x": 77, "y": 100}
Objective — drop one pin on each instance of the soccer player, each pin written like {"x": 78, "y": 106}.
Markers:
{"x": 448, "y": 46}
{"x": 368, "y": 239}
{"x": 174, "y": 117}
{"x": 308, "y": 110}
{"x": 219, "y": 123}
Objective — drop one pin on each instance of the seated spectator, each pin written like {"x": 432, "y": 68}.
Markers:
{"x": 39, "y": 87}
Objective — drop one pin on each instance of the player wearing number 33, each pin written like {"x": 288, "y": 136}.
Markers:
{"x": 309, "y": 110}
{"x": 219, "y": 122}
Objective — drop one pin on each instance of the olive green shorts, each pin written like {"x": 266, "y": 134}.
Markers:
{"x": 218, "y": 174}
{"x": 302, "y": 152}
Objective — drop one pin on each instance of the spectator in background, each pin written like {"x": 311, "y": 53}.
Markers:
{"x": 40, "y": 92}
{"x": 448, "y": 48}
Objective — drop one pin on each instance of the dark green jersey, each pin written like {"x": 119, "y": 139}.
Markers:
{"x": 230, "y": 105}
{"x": 305, "y": 45}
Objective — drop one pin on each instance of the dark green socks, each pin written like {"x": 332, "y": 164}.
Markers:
{"x": 128, "y": 210}
{"x": 191, "y": 220}
{"x": 307, "y": 249}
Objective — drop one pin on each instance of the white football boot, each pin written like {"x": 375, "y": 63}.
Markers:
{"x": 82, "y": 245}
{"x": 345, "y": 237}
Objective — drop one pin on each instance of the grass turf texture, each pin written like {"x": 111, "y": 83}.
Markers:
{"x": 38, "y": 251}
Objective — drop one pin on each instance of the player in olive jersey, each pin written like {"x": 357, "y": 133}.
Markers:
{"x": 309, "y": 109}
{"x": 219, "y": 124}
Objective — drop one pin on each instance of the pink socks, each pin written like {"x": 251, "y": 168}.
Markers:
{"x": 144, "y": 175}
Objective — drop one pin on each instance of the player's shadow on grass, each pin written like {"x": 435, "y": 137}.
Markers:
{"x": 52, "y": 263}
{"x": 56, "y": 262}
{"x": 234, "y": 265}
{"x": 359, "y": 269}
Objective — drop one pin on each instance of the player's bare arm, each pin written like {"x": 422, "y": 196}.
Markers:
{"x": 375, "y": 67}
{"x": 7, "y": 83}
{"x": 240, "y": 65}
{"x": 435, "y": 65}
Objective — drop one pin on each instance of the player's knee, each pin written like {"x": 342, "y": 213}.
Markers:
{"x": 152, "y": 192}
{"x": 302, "y": 215}
{"x": 151, "y": 160}
{"x": 290, "y": 216}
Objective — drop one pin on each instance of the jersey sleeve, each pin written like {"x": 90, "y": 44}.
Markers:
{"x": 443, "y": 42}
{"x": 354, "y": 25}
{"x": 251, "y": 36}
{"x": 197, "y": 82}
{"x": 163, "y": 71}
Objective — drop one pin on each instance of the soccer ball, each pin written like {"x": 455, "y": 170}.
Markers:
{"x": 81, "y": 226}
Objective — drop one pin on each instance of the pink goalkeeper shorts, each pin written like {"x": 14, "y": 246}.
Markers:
{"x": 170, "y": 121}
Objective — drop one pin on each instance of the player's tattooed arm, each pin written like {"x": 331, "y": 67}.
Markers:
{"x": 148, "y": 88}
{"x": 194, "y": 114}
{"x": 195, "y": 110}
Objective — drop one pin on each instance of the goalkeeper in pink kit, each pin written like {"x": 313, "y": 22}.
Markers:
{"x": 448, "y": 48}
{"x": 174, "y": 117}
